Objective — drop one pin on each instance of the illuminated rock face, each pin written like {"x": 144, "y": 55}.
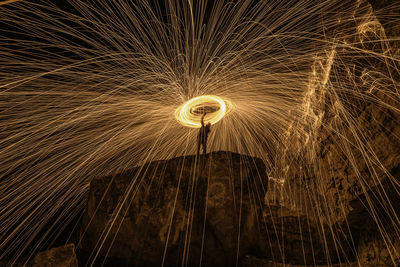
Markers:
{"x": 220, "y": 203}
{"x": 214, "y": 210}
{"x": 378, "y": 241}
{"x": 63, "y": 256}
{"x": 385, "y": 11}
{"x": 353, "y": 195}
{"x": 355, "y": 143}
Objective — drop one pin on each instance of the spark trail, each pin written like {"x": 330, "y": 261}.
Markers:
{"x": 89, "y": 88}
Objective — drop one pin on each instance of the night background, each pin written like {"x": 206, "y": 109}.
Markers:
{"x": 199, "y": 133}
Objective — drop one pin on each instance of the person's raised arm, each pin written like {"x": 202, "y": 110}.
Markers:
{"x": 202, "y": 118}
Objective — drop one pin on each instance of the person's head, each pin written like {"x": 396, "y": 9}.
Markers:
{"x": 209, "y": 124}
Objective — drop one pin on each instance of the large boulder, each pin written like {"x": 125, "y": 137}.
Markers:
{"x": 63, "y": 256}
{"x": 375, "y": 226}
{"x": 293, "y": 238}
{"x": 177, "y": 211}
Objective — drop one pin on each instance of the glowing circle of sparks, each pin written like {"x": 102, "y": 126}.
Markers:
{"x": 189, "y": 114}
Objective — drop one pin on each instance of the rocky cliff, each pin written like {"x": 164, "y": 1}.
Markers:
{"x": 211, "y": 212}
{"x": 176, "y": 211}
{"x": 353, "y": 138}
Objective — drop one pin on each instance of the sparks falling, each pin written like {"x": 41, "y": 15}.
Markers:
{"x": 97, "y": 87}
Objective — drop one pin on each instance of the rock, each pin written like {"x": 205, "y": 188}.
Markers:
{"x": 173, "y": 212}
{"x": 386, "y": 10}
{"x": 355, "y": 143}
{"x": 375, "y": 250}
{"x": 379, "y": 242}
{"x": 352, "y": 150}
{"x": 63, "y": 256}
{"x": 293, "y": 238}
{"x": 251, "y": 261}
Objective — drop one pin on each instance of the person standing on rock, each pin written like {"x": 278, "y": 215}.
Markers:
{"x": 203, "y": 135}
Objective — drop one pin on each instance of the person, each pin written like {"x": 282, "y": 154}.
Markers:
{"x": 203, "y": 135}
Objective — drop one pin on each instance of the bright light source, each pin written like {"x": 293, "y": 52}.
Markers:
{"x": 189, "y": 114}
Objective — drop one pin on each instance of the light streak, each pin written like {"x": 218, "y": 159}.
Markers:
{"x": 102, "y": 87}
{"x": 8, "y": 2}
{"x": 189, "y": 114}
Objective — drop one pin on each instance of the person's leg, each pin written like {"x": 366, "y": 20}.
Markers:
{"x": 205, "y": 146}
{"x": 198, "y": 146}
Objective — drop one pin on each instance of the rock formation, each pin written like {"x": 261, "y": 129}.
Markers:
{"x": 354, "y": 143}
{"x": 63, "y": 256}
{"x": 176, "y": 211}
{"x": 214, "y": 212}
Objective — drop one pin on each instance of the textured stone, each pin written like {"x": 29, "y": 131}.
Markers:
{"x": 200, "y": 214}
{"x": 352, "y": 146}
{"x": 375, "y": 227}
{"x": 293, "y": 238}
{"x": 374, "y": 250}
{"x": 56, "y": 257}
{"x": 251, "y": 261}
{"x": 354, "y": 142}
{"x": 229, "y": 195}
{"x": 388, "y": 12}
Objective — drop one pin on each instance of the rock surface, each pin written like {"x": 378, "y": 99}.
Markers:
{"x": 355, "y": 139}
{"x": 352, "y": 143}
{"x": 173, "y": 212}
{"x": 63, "y": 256}
{"x": 213, "y": 214}
{"x": 295, "y": 239}
{"x": 375, "y": 227}
{"x": 251, "y": 261}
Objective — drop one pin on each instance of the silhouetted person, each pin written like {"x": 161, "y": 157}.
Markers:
{"x": 203, "y": 135}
